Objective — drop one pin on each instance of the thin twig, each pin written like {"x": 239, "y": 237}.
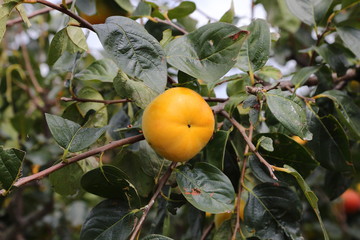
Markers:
{"x": 170, "y": 23}
{"x": 30, "y": 70}
{"x": 249, "y": 143}
{"x": 46, "y": 172}
{"x": 147, "y": 208}
{"x": 63, "y": 9}
{"x": 207, "y": 231}
{"x": 241, "y": 183}
{"x": 33, "y": 14}
{"x": 76, "y": 99}
{"x": 214, "y": 99}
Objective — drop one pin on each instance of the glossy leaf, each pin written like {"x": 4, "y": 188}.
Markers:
{"x": 70, "y": 39}
{"x": 310, "y": 12}
{"x": 350, "y": 36}
{"x": 110, "y": 182}
{"x": 10, "y": 166}
{"x": 347, "y": 111}
{"x": 110, "y": 219}
{"x": 301, "y": 76}
{"x": 206, "y": 188}
{"x": 266, "y": 143}
{"x": 207, "y": 53}
{"x": 310, "y": 196}
{"x": 289, "y": 114}
{"x": 330, "y": 143}
{"x": 256, "y": 49}
{"x": 184, "y": 9}
{"x": 134, "y": 50}
{"x": 296, "y": 155}
{"x": 103, "y": 70}
{"x": 335, "y": 56}
{"x": 133, "y": 89}
{"x": 215, "y": 149}
{"x": 156, "y": 237}
{"x": 276, "y": 207}
{"x": 70, "y": 135}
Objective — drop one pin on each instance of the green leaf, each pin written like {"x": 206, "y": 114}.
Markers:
{"x": 266, "y": 143}
{"x": 207, "y": 53}
{"x": 269, "y": 73}
{"x": 70, "y": 135}
{"x": 5, "y": 10}
{"x": 134, "y": 50}
{"x": 110, "y": 182}
{"x": 256, "y": 49}
{"x": 95, "y": 112}
{"x": 296, "y": 155}
{"x": 206, "y": 187}
{"x": 273, "y": 212}
{"x": 228, "y": 17}
{"x": 70, "y": 39}
{"x": 289, "y": 114}
{"x": 329, "y": 134}
{"x": 21, "y": 10}
{"x": 215, "y": 149}
{"x": 110, "y": 219}
{"x": 350, "y": 36}
{"x": 143, "y": 9}
{"x": 125, "y": 4}
{"x": 10, "y": 166}
{"x": 310, "y": 196}
{"x": 184, "y": 9}
{"x": 103, "y": 70}
{"x": 156, "y": 237}
{"x": 347, "y": 3}
{"x": 310, "y": 12}
{"x": 301, "y": 76}
{"x": 347, "y": 111}
{"x": 133, "y": 89}
{"x": 87, "y": 6}
{"x": 335, "y": 56}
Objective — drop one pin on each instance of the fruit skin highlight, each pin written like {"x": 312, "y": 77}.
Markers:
{"x": 104, "y": 9}
{"x": 178, "y": 124}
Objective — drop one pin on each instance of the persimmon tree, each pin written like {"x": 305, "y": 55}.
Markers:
{"x": 74, "y": 162}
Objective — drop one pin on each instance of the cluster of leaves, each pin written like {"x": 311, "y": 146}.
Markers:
{"x": 53, "y": 109}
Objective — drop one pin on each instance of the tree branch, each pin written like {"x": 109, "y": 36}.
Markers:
{"x": 46, "y": 172}
{"x": 147, "y": 208}
{"x": 249, "y": 143}
{"x": 76, "y": 99}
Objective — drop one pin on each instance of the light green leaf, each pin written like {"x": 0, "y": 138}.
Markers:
{"x": 268, "y": 73}
{"x": 10, "y": 166}
{"x": 289, "y": 114}
{"x": 310, "y": 196}
{"x": 5, "y": 10}
{"x": 207, "y": 53}
{"x": 133, "y": 89}
{"x": 184, "y": 9}
{"x": 310, "y": 12}
{"x": 266, "y": 143}
{"x": 351, "y": 37}
{"x": 125, "y": 4}
{"x": 21, "y": 10}
{"x": 143, "y": 9}
{"x": 256, "y": 49}
{"x": 206, "y": 188}
{"x": 70, "y": 135}
{"x": 103, "y": 70}
{"x": 303, "y": 74}
{"x": 228, "y": 17}
{"x": 134, "y": 50}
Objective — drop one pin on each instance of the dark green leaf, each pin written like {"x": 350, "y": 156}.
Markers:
{"x": 335, "y": 56}
{"x": 350, "y": 36}
{"x": 110, "y": 219}
{"x": 330, "y": 143}
{"x": 207, "y": 53}
{"x": 134, "y": 50}
{"x": 215, "y": 149}
{"x": 103, "y": 70}
{"x": 110, "y": 182}
{"x": 310, "y": 12}
{"x": 347, "y": 111}
{"x": 273, "y": 212}
{"x": 289, "y": 114}
{"x": 301, "y": 76}
{"x": 296, "y": 155}
{"x": 133, "y": 89}
{"x": 206, "y": 188}
{"x": 256, "y": 49}
{"x": 228, "y": 17}
{"x": 156, "y": 237}
{"x": 10, "y": 166}
{"x": 70, "y": 135}
{"x": 143, "y": 9}
{"x": 184, "y": 9}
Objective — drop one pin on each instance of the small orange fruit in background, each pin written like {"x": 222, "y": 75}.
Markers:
{"x": 351, "y": 200}
{"x": 178, "y": 124}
